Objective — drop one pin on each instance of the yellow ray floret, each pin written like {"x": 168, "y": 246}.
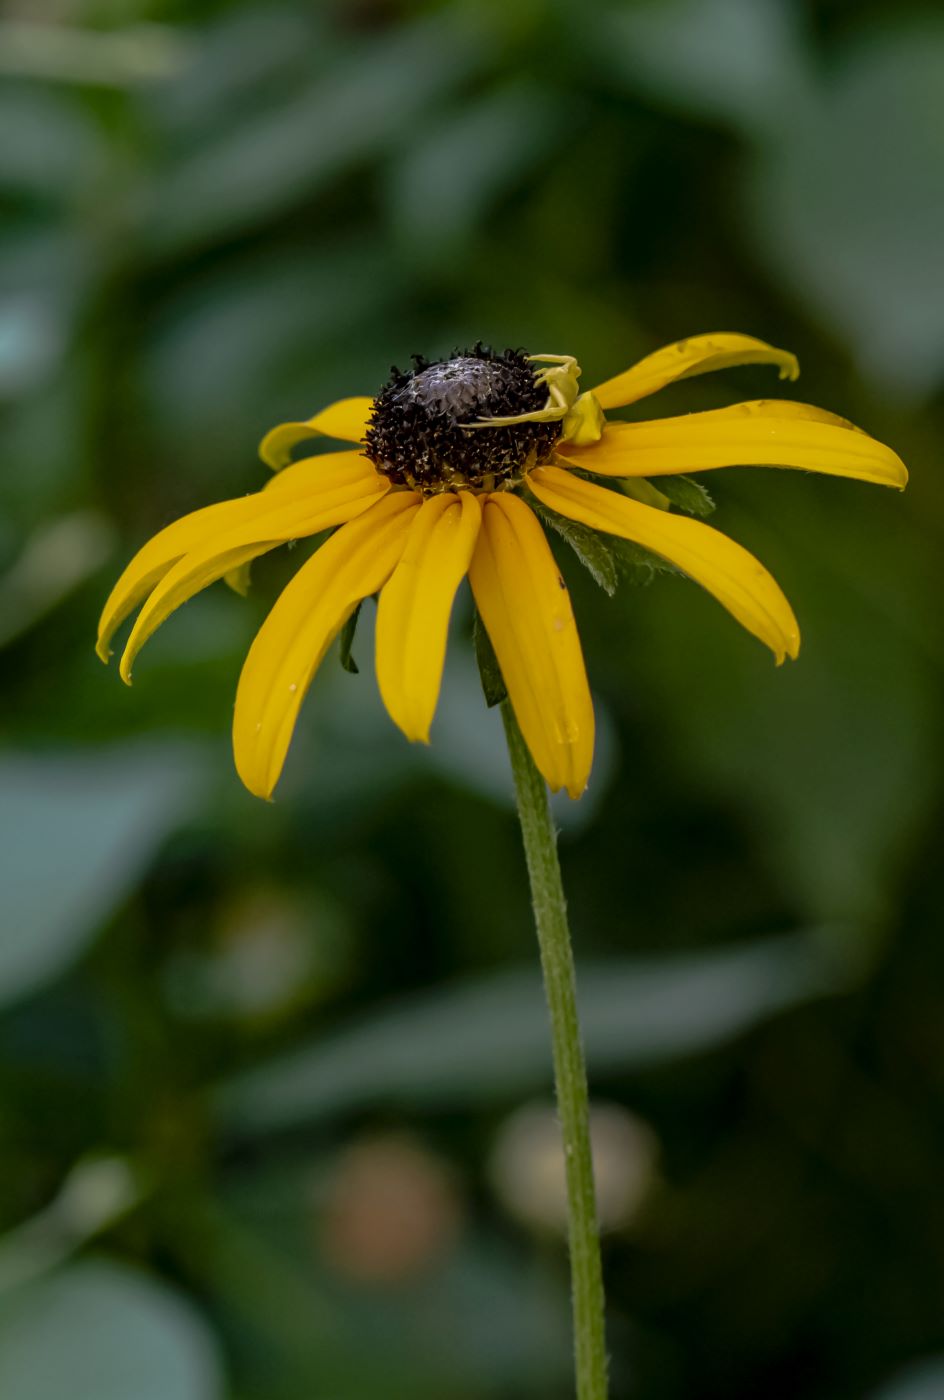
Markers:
{"x": 153, "y": 560}
{"x": 730, "y": 573}
{"x": 415, "y": 605}
{"x": 525, "y": 606}
{"x": 343, "y": 486}
{"x": 762, "y": 433}
{"x": 697, "y": 355}
{"x": 306, "y": 618}
{"x": 347, "y": 419}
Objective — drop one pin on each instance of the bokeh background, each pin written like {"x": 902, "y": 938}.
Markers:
{"x": 275, "y": 1114}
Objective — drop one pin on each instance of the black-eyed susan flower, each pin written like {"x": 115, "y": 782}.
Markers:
{"x": 441, "y": 479}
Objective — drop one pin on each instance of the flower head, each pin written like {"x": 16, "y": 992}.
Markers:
{"x": 446, "y": 471}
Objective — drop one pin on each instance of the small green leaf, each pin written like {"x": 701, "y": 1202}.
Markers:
{"x": 597, "y": 553}
{"x": 347, "y": 641}
{"x": 687, "y": 495}
{"x": 609, "y": 559}
{"x": 493, "y": 682}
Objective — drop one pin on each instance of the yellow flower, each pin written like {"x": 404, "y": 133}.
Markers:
{"x": 436, "y": 485}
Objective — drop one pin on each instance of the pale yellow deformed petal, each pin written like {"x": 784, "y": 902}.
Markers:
{"x": 525, "y": 606}
{"x": 736, "y": 578}
{"x": 685, "y": 358}
{"x": 344, "y": 486}
{"x": 762, "y": 433}
{"x": 347, "y": 419}
{"x": 415, "y": 605}
{"x": 311, "y": 610}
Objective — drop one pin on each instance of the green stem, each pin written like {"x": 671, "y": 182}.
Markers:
{"x": 550, "y": 916}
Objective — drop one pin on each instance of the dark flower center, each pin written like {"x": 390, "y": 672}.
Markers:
{"x": 417, "y": 435}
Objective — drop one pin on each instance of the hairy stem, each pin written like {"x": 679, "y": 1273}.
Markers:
{"x": 550, "y": 917}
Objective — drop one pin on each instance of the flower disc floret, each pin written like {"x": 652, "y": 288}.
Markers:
{"x": 423, "y": 425}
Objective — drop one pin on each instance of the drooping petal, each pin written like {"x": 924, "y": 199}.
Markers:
{"x": 309, "y": 613}
{"x": 344, "y": 486}
{"x": 685, "y": 358}
{"x": 525, "y": 606}
{"x": 153, "y": 560}
{"x": 736, "y": 578}
{"x": 347, "y": 419}
{"x": 762, "y": 433}
{"x": 415, "y": 606}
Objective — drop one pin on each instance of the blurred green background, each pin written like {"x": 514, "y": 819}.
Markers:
{"x": 274, "y": 1080}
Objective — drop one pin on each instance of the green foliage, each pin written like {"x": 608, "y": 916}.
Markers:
{"x": 608, "y": 559}
{"x": 346, "y": 642}
{"x": 687, "y": 495}
{"x": 219, "y": 216}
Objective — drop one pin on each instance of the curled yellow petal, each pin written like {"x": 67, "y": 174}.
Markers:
{"x": 154, "y": 559}
{"x": 697, "y": 355}
{"x": 525, "y": 606}
{"x": 415, "y": 606}
{"x": 764, "y": 432}
{"x": 347, "y": 419}
{"x": 343, "y": 487}
{"x": 730, "y": 573}
{"x": 309, "y": 613}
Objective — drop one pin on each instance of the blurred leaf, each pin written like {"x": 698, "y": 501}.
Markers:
{"x": 737, "y": 61}
{"x": 454, "y": 169}
{"x": 78, "y": 833}
{"x": 923, "y": 1381}
{"x": 215, "y": 366}
{"x": 488, "y": 1037}
{"x": 848, "y": 204}
{"x": 836, "y": 754}
{"x": 480, "y": 1312}
{"x": 110, "y": 58}
{"x": 103, "y": 1332}
{"x": 58, "y": 151}
{"x": 234, "y": 54}
{"x": 359, "y": 106}
{"x": 53, "y": 562}
{"x": 97, "y": 1192}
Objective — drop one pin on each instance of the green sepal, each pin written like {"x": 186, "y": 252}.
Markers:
{"x": 346, "y": 639}
{"x": 687, "y": 495}
{"x": 608, "y": 559}
{"x": 493, "y": 682}
{"x": 596, "y": 552}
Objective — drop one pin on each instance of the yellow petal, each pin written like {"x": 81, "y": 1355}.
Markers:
{"x": 153, "y": 560}
{"x": 311, "y": 610}
{"x": 525, "y": 606}
{"x": 696, "y": 355}
{"x": 347, "y": 419}
{"x": 342, "y": 488}
{"x": 736, "y": 579}
{"x": 762, "y": 433}
{"x": 415, "y": 606}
